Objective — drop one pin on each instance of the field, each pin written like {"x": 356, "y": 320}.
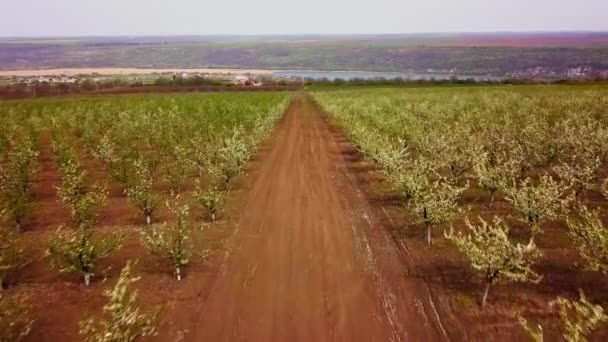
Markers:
{"x": 554, "y": 55}
{"x": 338, "y": 213}
{"x": 454, "y": 154}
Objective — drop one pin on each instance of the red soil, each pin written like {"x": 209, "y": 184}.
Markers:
{"x": 306, "y": 261}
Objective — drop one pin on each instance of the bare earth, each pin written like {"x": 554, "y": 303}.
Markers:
{"x": 125, "y": 71}
{"x": 307, "y": 262}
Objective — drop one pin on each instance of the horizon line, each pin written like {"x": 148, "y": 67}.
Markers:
{"x": 155, "y": 35}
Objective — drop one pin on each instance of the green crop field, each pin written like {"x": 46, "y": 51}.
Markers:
{"x": 504, "y": 179}
{"x": 490, "y": 201}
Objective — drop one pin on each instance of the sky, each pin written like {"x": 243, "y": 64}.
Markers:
{"x": 255, "y": 17}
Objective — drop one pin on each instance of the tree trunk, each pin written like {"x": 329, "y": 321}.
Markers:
{"x": 1, "y": 285}
{"x": 428, "y": 234}
{"x": 485, "y": 295}
{"x": 213, "y": 217}
{"x": 87, "y": 279}
{"x": 532, "y": 235}
{"x": 148, "y": 220}
{"x": 18, "y": 226}
{"x": 178, "y": 273}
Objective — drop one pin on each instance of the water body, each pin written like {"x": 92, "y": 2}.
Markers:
{"x": 349, "y": 75}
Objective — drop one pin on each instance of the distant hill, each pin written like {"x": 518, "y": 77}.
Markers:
{"x": 501, "y": 54}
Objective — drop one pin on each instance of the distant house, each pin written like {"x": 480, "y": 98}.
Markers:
{"x": 247, "y": 81}
{"x": 241, "y": 79}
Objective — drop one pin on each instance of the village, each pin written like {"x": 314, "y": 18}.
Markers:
{"x": 244, "y": 79}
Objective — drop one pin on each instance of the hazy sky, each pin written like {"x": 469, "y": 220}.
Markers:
{"x": 150, "y": 17}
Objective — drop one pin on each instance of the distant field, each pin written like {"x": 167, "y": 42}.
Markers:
{"x": 542, "y": 55}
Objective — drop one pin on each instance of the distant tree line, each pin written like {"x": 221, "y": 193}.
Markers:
{"x": 450, "y": 81}
{"x": 89, "y": 85}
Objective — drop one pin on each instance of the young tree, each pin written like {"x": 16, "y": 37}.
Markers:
{"x": 233, "y": 155}
{"x": 459, "y": 156}
{"x": 580, "y": 175}
{"x": 210, "y": 198}
{"x": 198, "y": 152}
{"x": 15, "y": 181}
{"x": 123, "y": 321}
{"x": 119, "y": 165}
{"x": 140, "y": 192}
{"x": 82, "y": 201}
{"x": 172, "y": 240}
{"x": 15, "y": 321}
{"x": 393, "y": 157}
{"x": 490, "y": 251}
{"x": 76, "y": 250}
{"x": 176, "y": 169}
{"x": 410, "y": 178}
{"x": 493, "y": 175}
{"x": 436, "y": 204}
{"x": 590, "y": 238}
{"x": 578, "y": 319}
{"x": 11, "y": 254}
{"x": 536, "y": 203}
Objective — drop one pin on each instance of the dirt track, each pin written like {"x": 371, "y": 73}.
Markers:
{"x": 307, "y": 262}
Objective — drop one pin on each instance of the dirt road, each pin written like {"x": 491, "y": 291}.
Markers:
{"x": 308, "y": 261}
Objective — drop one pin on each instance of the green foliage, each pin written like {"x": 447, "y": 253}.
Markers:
{"x": 176, "y": 169}
{"x": 15, "y": 321}
{"x": 140, "y": 192}
{"x": 82, "y": 201}
{"x": 493, "y": 175}
{"x": 77, "y": 251}
{"x": 579, "y": 176}
{"x": 489, "y": 250}
{"x": 436, "y": 204}
{"x": 16, "y": 173}
{"x": 232, "y": 155}
{"x": 173, "y": 240}
{"x": 210, "y": 198}
{"x": 77, "y": 195}
{"x": 410, "y": 177}
{"x": 535, "y": 203}
{"x": 123, "y": 321}
{"x": 11, "y": 254}
{"x": 590, "y": 238}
